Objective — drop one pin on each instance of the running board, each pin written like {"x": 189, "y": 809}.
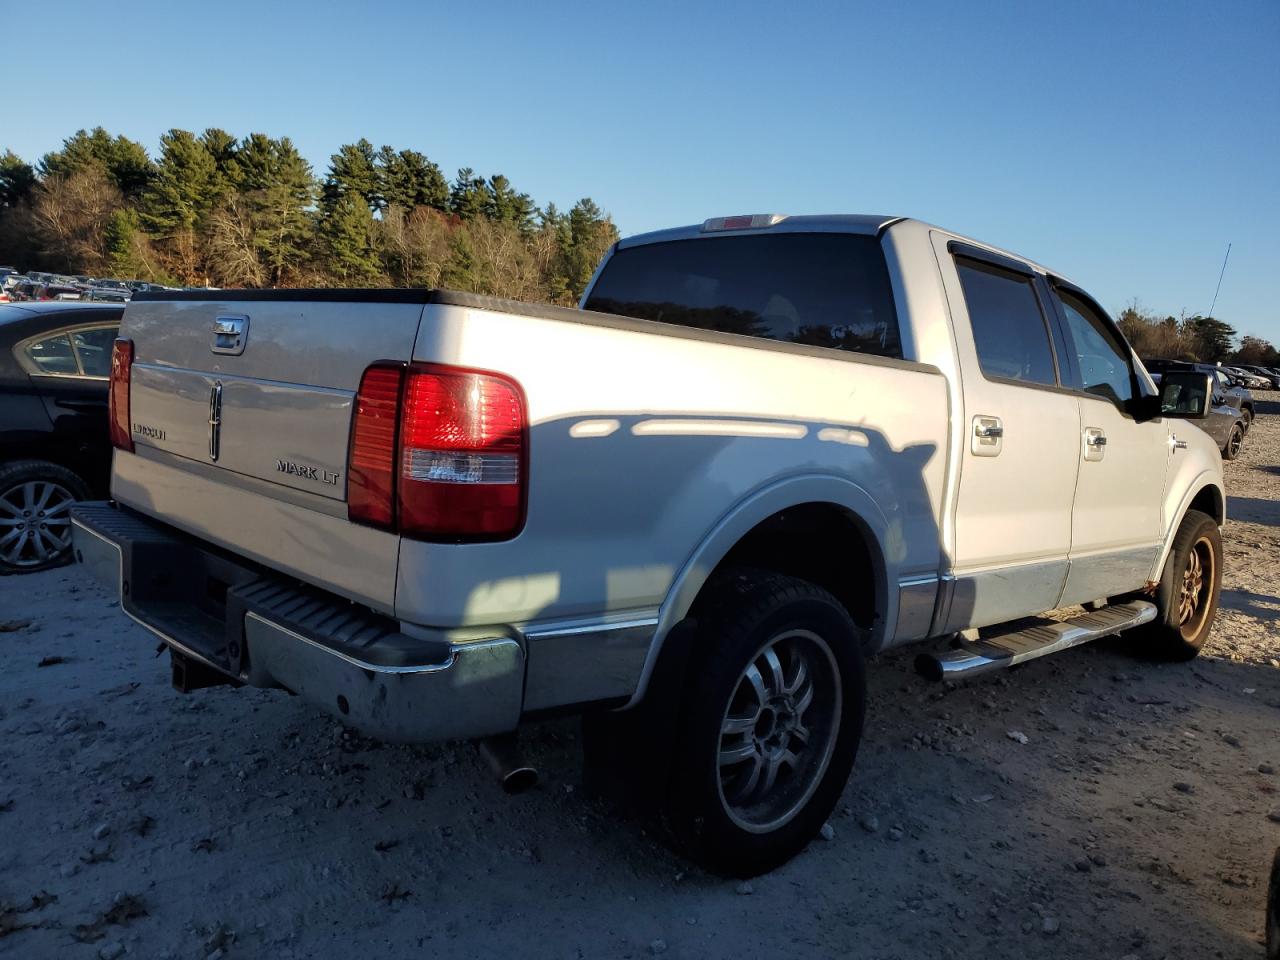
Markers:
{"x": 1003, "y": 650}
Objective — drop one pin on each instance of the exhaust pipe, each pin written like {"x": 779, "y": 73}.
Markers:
{"x": 503, "y": 755}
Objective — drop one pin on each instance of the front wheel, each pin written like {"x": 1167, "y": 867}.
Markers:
{"x": 1187, "y": 596}
{"x": 771, "y": 720}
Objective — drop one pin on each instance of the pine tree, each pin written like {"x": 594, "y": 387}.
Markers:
{"x": 222, "y": 147}
{"x": 352, "y": 171}
{"x": 408, "y": 179}
{"x": 468, "y": 196}
{"x": 279, "y": 191}
{"x": 121, "y": 244}
{"x": 182, "y": 190}
{"x": 123, "y": 160}
{"x": 17, "y": 179}
{"x": 505, "y": 205}
{"x": 347, "y": 230}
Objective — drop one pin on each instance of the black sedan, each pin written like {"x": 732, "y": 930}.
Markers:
{"x": 55, "y": 360}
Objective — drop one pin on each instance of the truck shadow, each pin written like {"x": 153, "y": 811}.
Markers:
{"x": 1254, "y": 510}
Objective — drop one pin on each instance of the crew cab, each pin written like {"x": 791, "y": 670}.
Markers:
{"x": 763, "y": 450}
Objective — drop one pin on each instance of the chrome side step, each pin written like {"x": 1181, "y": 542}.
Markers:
{"x": 1007, "y": 649}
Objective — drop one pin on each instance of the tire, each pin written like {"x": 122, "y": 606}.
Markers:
{"x": 1184, "y": 621}
{"x": 775, "y": 694}
{"x": 1235, "y": 442}
{"x": 35, "y": 520}
{"x": 1246, "y": 417}
{"x": 1273, "y": 910}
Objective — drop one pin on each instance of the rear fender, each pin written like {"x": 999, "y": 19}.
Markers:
{"x": 884, "y": 541}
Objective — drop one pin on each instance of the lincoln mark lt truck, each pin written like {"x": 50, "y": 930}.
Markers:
{"x": 764, "y": 449}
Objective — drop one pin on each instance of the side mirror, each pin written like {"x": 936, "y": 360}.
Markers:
{"x": 1186, "y": 394}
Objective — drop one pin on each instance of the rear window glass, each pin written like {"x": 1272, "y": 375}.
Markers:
{"x": 1008, "y": 327}
{"x": 820, "y": 289}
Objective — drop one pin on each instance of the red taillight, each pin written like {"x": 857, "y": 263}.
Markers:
{"x": 118, "y": 395}
{"x": 438, "y": 453}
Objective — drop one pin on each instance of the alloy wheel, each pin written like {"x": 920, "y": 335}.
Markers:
{"x": 35, "y": 523}
{"x": 1195, "y": 588}
{"x": 779, "y": 730}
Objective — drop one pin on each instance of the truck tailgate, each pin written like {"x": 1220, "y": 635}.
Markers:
{"x": 240, "y": 415}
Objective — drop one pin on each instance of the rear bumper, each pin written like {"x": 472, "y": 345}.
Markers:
{"x": 268, "y": 632}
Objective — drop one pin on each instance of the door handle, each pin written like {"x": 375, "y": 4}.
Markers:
{"x": 1178, "y": 444}
{"x": 1095, "y": 443}
{"x": 988, "y": 437}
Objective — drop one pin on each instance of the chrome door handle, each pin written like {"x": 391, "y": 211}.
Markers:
{"x": 1179, "y": 444}
{"x": 987, "y": 431}
{"x": 1095, "y": 440}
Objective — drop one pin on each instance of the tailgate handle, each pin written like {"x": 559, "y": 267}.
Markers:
{"x": 230, "y": 334}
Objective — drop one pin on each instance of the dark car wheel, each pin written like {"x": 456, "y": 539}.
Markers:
{"x": 1235, "y": 443}
{"x": 35, "y": 514}
{"x": 770, "y": 723}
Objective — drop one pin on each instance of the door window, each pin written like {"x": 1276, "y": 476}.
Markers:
{"x": 54, "y": 355}
{"x": 1008, "y": 325}
{"x": 1104, "y": 360}
{"x": 93, "y": 346}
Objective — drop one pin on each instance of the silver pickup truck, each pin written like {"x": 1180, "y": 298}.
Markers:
{"x": 765, "y": 448}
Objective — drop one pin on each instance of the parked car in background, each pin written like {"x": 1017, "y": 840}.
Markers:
{"x": 1269, "y": 374}
{"x": 1248, "y": 378}
{"x": 55, "y": 359}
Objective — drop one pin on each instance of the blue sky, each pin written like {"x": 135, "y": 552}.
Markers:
{"x": 1124, "y": 144}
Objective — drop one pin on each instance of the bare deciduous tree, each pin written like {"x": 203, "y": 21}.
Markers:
{"x": 70, "y": 216}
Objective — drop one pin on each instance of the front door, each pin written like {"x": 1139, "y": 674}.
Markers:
{"x": 1116, "y": 526}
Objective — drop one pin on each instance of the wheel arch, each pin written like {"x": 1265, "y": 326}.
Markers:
{"x": 769, "y": 528}
{"x": 1207, "y": 495}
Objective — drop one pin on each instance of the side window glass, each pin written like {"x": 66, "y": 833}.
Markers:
{"x": 1104, "y": 362}
{"x": 1008, "y": 326}
{"x": 53, "y": 355}
{"x": 94, "y": 350}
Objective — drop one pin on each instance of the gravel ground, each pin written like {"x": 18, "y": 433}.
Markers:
{"x": 1136, "y": 821}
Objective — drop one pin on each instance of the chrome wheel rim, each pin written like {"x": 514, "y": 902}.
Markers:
{"x": 1195, "y": 588}
{"x": 35, "y": 523}
{"x": 778, "y": 731}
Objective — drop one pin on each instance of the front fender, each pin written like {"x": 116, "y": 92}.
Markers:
{"x": 1205, "y": 479}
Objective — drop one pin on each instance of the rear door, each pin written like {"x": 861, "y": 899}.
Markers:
{"x": 240, "y": 413}
{"x": 1018, "y": 474}
{"x": 1116, "y": 524}
{"x": 68, "y": 367}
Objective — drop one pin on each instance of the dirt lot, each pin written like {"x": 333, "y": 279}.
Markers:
{"x": 1136, "y": 820}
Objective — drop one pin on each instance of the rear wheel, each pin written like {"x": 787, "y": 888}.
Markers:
{"x": 771, "y": 720}
{"x": 35, "y": 514}
{"x": 1234, "y": 442}
{"x": 1187, "y": 596}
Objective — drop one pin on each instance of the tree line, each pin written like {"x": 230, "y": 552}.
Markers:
{"x": 1198, "y": 338}
{"x": 214, "y": 210}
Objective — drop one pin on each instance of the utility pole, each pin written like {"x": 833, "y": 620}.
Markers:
{"x": 1219, "y": 286}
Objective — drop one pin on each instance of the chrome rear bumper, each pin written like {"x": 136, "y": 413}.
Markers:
{"x": 265, "y": 632}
